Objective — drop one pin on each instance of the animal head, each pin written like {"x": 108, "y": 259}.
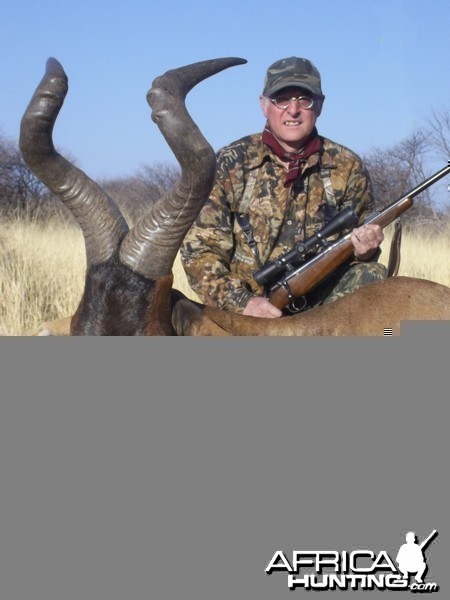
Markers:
{"x": 128, "y": 278}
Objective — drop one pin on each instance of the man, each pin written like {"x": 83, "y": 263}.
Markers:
{"x": 277, "y": 188}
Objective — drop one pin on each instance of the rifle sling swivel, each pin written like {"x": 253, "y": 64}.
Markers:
{"x": 293, "y": 306}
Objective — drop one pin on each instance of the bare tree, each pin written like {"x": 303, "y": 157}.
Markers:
{"x": 397, "y": 169}
{"x": 161, "y": 176}
{"x": 439, "y": 130}
{"x": 19, "y": 188}
{"x": 134, "y": 195}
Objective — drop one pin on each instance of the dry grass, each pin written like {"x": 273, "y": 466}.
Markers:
{"x": 42, "y": 271}
{"x": 425, "y": 255}
{"x": 41, "y": 274}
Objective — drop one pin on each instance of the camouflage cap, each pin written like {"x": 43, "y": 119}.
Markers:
{"x": 292, "y": 72}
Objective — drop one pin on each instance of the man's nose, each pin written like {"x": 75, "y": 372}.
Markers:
{"x": 294, "y": 107}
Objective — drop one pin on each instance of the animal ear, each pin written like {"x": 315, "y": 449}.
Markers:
{"x": 151, "y": 246}
{"x": 189, "y": 319}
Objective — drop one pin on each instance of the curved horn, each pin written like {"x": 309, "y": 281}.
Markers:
{"x": 151, "y": 246}
{"x": 99, "y": 218}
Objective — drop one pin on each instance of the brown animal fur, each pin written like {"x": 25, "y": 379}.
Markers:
{"x": 366, "y": 312}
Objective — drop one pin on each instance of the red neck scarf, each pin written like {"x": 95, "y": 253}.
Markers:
{"x": 294, "y": 159}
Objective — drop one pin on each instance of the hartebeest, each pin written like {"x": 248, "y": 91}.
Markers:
{"x": 128, "y": 287}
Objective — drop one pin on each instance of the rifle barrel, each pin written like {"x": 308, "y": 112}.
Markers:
{"x": 423, "y": 185}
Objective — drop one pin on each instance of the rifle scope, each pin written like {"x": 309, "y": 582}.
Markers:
{"x": 346, "y": 218}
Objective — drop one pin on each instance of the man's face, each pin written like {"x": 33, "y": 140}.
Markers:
{"x": 293, "y": 125}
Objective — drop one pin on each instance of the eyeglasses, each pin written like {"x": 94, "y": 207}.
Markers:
{"x": 283, "y": 102}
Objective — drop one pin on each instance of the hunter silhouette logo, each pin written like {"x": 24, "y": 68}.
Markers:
{"x": 360, "y": 569}
{"x": 410, "y": 557}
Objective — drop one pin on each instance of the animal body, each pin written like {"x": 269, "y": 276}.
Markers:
{"x": 128, "y": 286}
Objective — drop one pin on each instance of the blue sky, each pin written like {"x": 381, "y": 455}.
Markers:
{"x": 384, "y": 66}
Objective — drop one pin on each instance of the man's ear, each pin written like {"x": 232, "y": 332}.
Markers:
{"x": 264, "y": 102}
{"x": 320, "y": 105}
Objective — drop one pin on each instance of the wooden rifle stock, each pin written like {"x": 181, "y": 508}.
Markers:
{"x": 301, "y": 280}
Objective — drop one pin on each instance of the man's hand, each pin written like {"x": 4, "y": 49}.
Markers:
{"x": 366, "y": 240}
{"x": 261, "y": 307}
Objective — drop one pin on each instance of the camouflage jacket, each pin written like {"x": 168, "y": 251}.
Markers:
{"x": 250, "y": 179}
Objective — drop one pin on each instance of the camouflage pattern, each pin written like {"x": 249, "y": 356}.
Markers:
{"x": 346, "y": 280}
{"x": 216, "y": 256}
{"x": 292, "y": 72}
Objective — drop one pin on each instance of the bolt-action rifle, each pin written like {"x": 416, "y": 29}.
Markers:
{"x": 298, "y": 271}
